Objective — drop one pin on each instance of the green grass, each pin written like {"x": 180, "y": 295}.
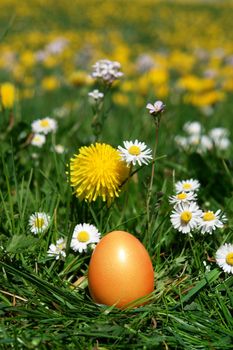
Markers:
{"x": 190, "y": 308}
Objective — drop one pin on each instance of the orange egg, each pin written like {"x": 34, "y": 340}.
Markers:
{"x": 120, "y": 270}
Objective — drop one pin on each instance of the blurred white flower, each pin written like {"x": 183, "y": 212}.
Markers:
{"x": 41, "y": 55}
{"x": 107, "y": 70}
{"x": 224, "y": 257}
{"x": 182, "y": 142}
{"x": 96, "y": 94}
{"x": 220, "y": 138}
{"x": 205, "y": 144}
{"x": 222, "y": 144}
{"x": 207, "y": 110}
{"x": 57, "y": 46}
{"x": 61, "y": 112}
{"x": 59, "y": 149}
{"x": 218, "y": 133}
{"x": 194, "y": 140}
{"x": 38, "y": 140}
{"x": 45, "y": 125}
{"x": 57, "y": 250}
{"x": 135, "y": 152}
{"x": 192, "y": 128}
{"x": 144, "y": 63}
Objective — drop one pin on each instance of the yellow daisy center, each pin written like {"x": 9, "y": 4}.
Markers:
{"x": 44, "y": 123}
{"x": 186, "y": 216}
{"x": 98, "y": 171}
{"x": 208, "y": 216}
{"x": 229, "y": 258}
{"x": 181, "y": 195}
{"x": 134, "y": 150}
{"x": 187, "y": 186}
{"x": 83, "y": 236}
{"x": 39, "y": 222}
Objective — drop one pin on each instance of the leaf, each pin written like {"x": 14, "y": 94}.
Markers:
{"x": 209, "y": 278}
{"x": 19, "y": 243}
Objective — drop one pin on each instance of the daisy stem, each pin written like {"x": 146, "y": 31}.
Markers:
{"x": 197, "y": 261}
{"x": 152, "y": 173}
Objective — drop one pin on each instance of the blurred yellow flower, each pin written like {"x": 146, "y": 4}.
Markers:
{"x": 158, "y": 76}
{"x": 161, "y": 91}
{"x": 50, "y": 61}
{"x": 181, "y": 61}
{"x": 28, "y": 59}
{"x": 205, "y": 99}
{"x": 195, "y": 84}
{"x": 7, "y": 95}
{"x": 27, "y": 93}
{"x": 80, "y": 78}
{"x": 228, "y": 84}
{"x": 50, "y": 83}
{"x": 120, "y": 99}
{"x": 127, "y": 86}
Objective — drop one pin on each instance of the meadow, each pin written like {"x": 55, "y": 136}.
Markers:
{"x": 116, "y": 115}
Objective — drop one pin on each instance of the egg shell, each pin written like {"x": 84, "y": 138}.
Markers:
{"x": 120, "y": 270}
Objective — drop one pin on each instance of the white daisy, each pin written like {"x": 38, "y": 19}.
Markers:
{"x": 155, "y": 108}
{"x": 38, "y": 140}
{"x": 135, "y": 152}
{"x": 83, "y": 235}
{"x": 57, "y": 250}
{"x": 187, "y": 186}
{"x": 96, "y": 94}
{"x": 185, "y": 217}
{"x": 210, "y": 221}
{"x": 39, "y": 222}
{"x": 44, "y": 125}
{"x": 182, "y": 197}
{"x": 224, "y": 257}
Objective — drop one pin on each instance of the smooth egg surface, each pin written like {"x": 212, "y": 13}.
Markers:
{"x": 120, "y": 270}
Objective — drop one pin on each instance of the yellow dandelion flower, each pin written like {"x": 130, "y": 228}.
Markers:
{"x": 97, "y": 171}
{"x": 7, "y": 95}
